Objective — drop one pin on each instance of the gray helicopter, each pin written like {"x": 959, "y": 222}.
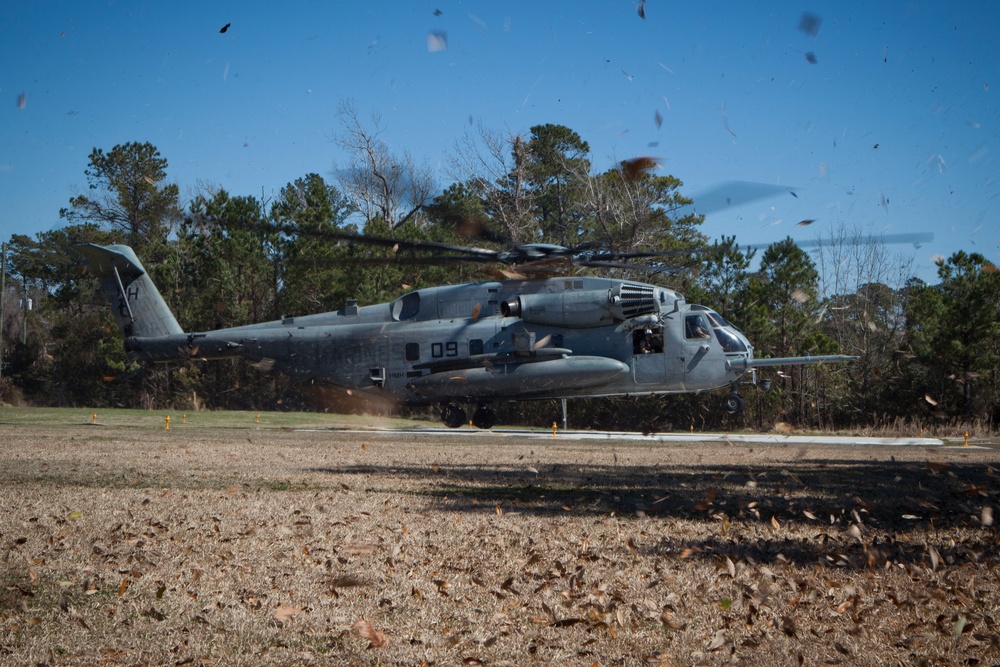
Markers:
{"x": 518, "y": 338}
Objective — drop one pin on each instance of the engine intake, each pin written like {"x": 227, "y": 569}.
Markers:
{"x": 581, "y": 309}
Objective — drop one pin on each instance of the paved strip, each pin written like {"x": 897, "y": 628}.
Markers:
{"x": 669, "y": 437}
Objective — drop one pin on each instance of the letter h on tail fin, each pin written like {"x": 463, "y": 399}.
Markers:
{"x": 139, "y": 309}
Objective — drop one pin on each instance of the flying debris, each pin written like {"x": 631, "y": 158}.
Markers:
{"x": 809, "y": 24}
{"x": 658, "y": 119}
{"x": 804, "y": 223}
{"x": 641, "y": 9}
{"x": 224, "y": 28}
{"x": 437, "y": 41}
{"x": 811, "y": 58}
{"x": 438, "y": 12}
{"x": 22, "y": 100}
{"x": 634, "y": 169}
{"x": 725, "y": 120}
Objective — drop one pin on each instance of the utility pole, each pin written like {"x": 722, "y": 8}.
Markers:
{"x": 3, "y": 293}
{"x": 25, "y": 307}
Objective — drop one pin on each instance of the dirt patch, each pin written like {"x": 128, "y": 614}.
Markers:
{"x": 276, "y": 547}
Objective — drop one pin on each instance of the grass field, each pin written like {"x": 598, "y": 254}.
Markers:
{"x": 228, "y": 541}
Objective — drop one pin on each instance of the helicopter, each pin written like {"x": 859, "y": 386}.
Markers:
{"x": 524, "y": 336}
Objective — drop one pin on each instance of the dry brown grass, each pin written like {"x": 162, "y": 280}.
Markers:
{"x": 136, "y": 546}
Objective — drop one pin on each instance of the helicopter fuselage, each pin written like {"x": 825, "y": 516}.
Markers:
{"x": 533, "y": 338}
{"x": 537, "y": 338}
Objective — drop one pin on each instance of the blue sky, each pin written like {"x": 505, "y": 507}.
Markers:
{"x": 894, "y": 128}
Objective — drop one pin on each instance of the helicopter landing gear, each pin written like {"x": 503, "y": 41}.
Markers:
{"x": 453, "y": 415}
{"x": 733, "y": 403}
{"x": 484, "y": 417}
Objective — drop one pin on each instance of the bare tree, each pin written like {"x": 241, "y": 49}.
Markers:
{"x": 861, "y": 282}
{"x": 631, "y": 213}
{"x": 379, "y": 183}
{"x": 494, "y": 166}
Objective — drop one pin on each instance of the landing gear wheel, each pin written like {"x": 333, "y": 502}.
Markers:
{"x": 733, "y": 404}
{"x": 484, "y": 417}
{"x": 453, "y": 416}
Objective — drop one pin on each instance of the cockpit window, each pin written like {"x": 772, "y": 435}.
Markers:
{"x": 729, "y": 341}
{"x": 718, "y": 320}
{"x": 406, "y": 307}
{"x": 696, "y": 326}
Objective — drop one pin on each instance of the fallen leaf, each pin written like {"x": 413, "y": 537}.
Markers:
{"x": 936, "y": 466}
{"x": 365, "y": 630}
{"x": 718, "y": 641}
{"x": 154, "y": 614}
{"x": 285, "y": 614}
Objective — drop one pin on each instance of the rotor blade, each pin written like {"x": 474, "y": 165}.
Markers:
{"x": 915, "y": 238}
{"x": 479, "y": 254}
{"x": 648, "y": 268}
{"x": 732, "y": 194}
{"x": 419, "y": 261}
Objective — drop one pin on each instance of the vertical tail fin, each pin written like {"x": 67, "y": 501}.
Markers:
{"x": 138, "y": 307}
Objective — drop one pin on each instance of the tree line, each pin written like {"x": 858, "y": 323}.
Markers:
{"x": 928, "y": 354}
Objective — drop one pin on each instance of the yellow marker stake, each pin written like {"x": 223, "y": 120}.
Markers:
{"x": 966, "y": 439}
{"x": 94, "y": 418}
{"x": 184, "y": 418}
{"x": 166, "y": 426}
{"x": 553, "y": 429}
{"x": 258, "y": 417}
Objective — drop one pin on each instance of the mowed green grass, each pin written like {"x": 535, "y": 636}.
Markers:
{"x": 157, "y": 419}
